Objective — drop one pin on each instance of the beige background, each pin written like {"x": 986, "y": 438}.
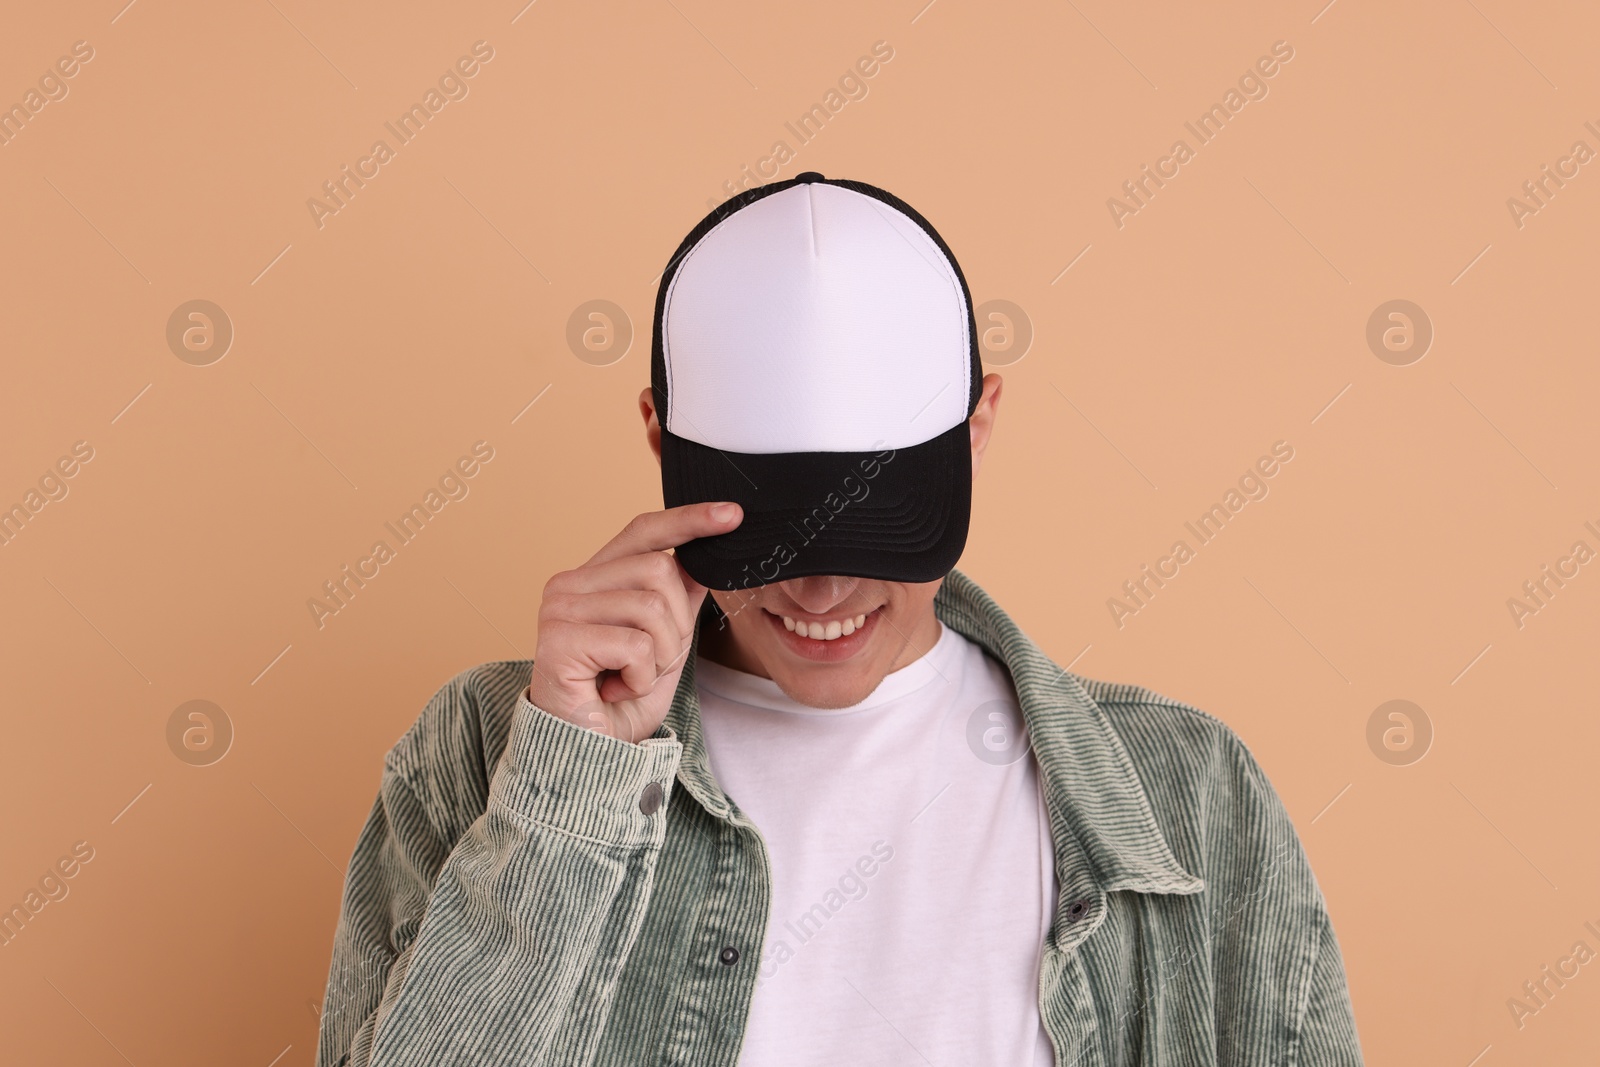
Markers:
{"x": 1229, "y": 313}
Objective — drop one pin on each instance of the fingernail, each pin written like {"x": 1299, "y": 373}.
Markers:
{"x": 724, "y": 512}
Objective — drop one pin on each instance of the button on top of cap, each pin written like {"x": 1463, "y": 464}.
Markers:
{"x": 809, "y": 176}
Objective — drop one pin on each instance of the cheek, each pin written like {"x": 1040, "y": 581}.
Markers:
{"x": 737, "y": 608}
{"x": 742, "y": 616}
{"x": 912, "y": 600}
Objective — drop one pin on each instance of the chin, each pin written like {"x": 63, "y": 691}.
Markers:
{"x": 825, "y": 688}
{"x": 826, "y": 642}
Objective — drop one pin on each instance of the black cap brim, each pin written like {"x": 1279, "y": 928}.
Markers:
{"x": 898, "y": 515}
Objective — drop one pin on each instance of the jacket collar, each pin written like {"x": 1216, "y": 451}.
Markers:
{"x": 1092, "y": 791}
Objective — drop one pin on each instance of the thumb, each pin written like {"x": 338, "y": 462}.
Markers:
{"x": 695, "y": 591}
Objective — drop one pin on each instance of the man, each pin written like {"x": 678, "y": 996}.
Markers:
{"x": 780, "y": 787}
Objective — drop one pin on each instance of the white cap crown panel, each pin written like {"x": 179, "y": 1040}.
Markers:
{"x": 817, "y": 319}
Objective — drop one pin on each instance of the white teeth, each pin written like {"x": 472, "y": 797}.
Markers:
{"x": 828, "y": 631}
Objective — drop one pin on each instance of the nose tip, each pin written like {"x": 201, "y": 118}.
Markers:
{"x": 819, "y": 594}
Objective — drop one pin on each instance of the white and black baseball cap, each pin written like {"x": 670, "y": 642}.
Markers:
{"x": 815, "y": 359}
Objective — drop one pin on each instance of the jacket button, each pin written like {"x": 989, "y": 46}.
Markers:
{"x": 650, "y": 799}
{"x": 729, "y": 956}
{"x": 1076, "y": 910}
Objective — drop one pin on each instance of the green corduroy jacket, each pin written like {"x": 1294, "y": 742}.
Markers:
{"x": 529, "y": 892}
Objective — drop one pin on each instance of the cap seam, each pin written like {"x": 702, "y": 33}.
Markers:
{"x": 811, "y": 215}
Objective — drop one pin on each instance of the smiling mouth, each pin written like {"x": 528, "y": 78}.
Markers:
{"x": 823, "y": 631}
{"x": 831, "y": 630}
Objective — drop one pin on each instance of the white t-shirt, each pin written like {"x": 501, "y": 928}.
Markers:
{"x": 911, "y": 862}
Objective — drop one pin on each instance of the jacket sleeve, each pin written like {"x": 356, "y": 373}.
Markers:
{"x": 473, "y": 910}
{"x": 1327, "y": 1036}
{"x": 1281, "y": 991}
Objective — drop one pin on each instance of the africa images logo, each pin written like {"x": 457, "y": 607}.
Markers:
{"x": 452, "y": 85}
{"x": 1252, "y": 86}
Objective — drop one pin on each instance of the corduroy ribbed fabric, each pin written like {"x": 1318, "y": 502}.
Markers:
{"x": 517, "y": 898}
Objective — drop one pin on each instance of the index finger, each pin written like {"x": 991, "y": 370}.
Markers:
{"x": 657, "y": 531}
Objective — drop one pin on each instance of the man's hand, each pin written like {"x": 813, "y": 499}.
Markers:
{"x": 614, "y": 633}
